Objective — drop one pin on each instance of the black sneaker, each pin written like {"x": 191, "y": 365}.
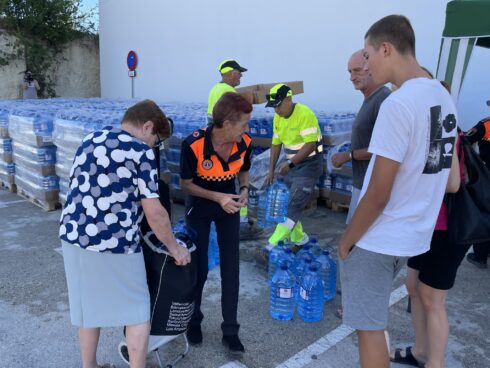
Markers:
{"x": 250, "y": 231}
{"x": 471, "y": 257}
{"x": 233, "y": 343}
{"x": 194, "y": 334}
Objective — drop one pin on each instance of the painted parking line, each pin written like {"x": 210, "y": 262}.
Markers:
{"x": 234, "y": 364}
{"x": 4, "y": 204}
{"x": 331, "y": 339}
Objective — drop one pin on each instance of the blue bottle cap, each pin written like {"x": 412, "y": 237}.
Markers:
{"x": 313, "y": 268}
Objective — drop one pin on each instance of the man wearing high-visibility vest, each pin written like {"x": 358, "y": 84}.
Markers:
{"x": 295, "y": 127}
{"x": 231, "y": 73}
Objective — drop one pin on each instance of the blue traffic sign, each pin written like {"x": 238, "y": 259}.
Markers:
{"x": 132, "y": 60}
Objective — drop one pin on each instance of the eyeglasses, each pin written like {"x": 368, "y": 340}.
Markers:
{"x": 271, "y": 96}
{"x": 160, "y": 143}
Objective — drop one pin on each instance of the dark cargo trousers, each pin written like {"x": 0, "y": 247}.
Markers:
{"x": 300, "y": 194}
{"x": 199, "y": 217}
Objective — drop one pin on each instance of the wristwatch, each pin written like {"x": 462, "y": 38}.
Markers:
{"x": 290, "y": 164}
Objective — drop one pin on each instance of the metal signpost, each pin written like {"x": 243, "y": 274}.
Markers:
{"x": 132, "y": 62}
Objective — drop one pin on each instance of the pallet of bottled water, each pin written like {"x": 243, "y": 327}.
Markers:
{"x": 6, "y": 150}
{"x": 32, "y": 125}
{"x": 4, "y": 121}
{"x": 7, "y": 176}
{"x": 38, "y": 160}
{"x": 336, "y": 128}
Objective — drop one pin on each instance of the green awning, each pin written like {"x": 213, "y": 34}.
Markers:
{"x": 468, "y": 18}
{"x": 467, "y": 25}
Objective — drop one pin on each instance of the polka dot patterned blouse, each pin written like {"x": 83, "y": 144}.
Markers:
{"x": 111, "y": 173}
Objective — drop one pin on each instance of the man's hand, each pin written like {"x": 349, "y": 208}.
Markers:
{"x": 229, "y": 202}
{"x": 344, "y": 249}
{"x": 243, "y": 197}
{"x": 284, "y": 169}
{"x": 340, "y": 158}
{"x": 180, "y": 254}
{"x": 269, "y": 179}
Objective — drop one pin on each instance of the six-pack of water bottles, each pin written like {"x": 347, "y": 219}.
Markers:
{"x": 302, "y": 281}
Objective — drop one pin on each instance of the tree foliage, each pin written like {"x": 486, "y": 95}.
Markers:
{"x": 42, "y": 29}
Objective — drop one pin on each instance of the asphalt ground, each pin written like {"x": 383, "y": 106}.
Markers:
{"x": 35, "y": 328}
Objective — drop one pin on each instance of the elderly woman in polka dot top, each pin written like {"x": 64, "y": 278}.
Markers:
{"x": 113, "y": 182}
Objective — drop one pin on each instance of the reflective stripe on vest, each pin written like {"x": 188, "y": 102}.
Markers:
{"x": 211, "y": 168}
{"x": 292, "y": 149}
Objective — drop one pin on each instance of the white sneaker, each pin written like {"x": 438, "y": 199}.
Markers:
{"x": 269, "y": 247}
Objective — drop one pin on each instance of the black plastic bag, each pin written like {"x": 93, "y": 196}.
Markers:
{"x": 172, "y": 287}
{"x": 468, "y": 219}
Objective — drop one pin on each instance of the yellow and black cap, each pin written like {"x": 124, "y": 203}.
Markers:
{"x": 229, "y": 65}
{"x": 277, "y": 94}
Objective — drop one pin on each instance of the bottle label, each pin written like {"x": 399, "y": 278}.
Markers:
{"x": 285, "y": 293}
{"x": 304, "y": 294}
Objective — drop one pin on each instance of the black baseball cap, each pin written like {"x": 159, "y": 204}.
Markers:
{"x": 277, "y": 94}
{"x": 229, "y": 65}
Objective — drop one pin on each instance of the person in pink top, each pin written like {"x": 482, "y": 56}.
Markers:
{"x": 430, "y": 275}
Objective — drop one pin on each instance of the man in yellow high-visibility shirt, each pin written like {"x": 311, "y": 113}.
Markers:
{"x": 231, "y": 72}
{"x": 296, "y": 128}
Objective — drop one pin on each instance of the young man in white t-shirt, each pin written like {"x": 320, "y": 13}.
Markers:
{"x": 412, "y": 146}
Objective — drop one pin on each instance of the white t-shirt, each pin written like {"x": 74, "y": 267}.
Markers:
{"x": 416, "y": 126}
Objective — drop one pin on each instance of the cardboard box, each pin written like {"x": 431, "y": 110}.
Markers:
{"x": 261, "y": 142}
{"x": 334, "y": 140}
{"x": 344, "y": 171}
{"x": 4, "y": 132}
{"x": 7, "y": 157}
{"x": 261, "y": 90}
{"x": 340, "y": 197}
{"x": 166, "y": 176}
{"x": 325, "y": 193}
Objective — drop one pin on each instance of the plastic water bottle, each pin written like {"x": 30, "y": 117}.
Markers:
{"x": 287, "y": 257}
{"x": 277, "y": 200}
{"x": 262, "y": 219}
{"x": 315, "y": 249}
{"x": 300, "y": 272}
{"x": 305, "y": 250}
{"x": 273, "y": 258}
{"x": 282, "y": 294}
{"x": 328, "y": 274}
{"x": 300, "y": 257}
{"x": 310, "y": 304}
{"x": 213, "y": 249}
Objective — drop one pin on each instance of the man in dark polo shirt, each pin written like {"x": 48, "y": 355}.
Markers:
{"x": 363, "y": 126}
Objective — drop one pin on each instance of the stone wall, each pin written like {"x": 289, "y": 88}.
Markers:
{"x": 76, "y": 75}
{"x": 11, "y": 75}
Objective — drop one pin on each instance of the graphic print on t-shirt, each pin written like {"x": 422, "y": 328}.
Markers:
{"x": 441, "y": 146}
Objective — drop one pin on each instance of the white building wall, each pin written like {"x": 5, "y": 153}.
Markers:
{"x": 180, "y": 44}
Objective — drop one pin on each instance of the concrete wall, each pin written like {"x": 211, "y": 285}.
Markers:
{"x": 77, "y": 75}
